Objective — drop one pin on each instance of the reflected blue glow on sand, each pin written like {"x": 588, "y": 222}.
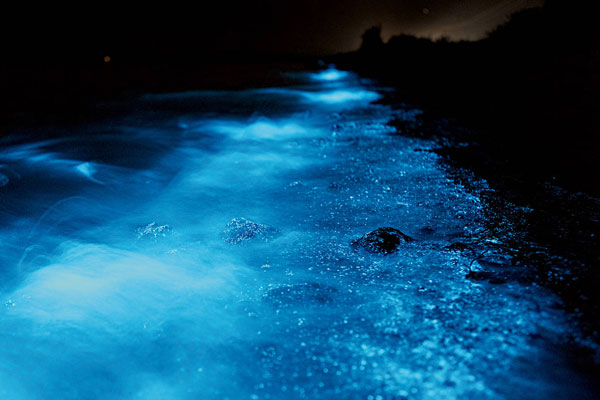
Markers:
{"x": 98, "y": 305}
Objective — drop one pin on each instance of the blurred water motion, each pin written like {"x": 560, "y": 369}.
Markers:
{"x": 120, "y": 279}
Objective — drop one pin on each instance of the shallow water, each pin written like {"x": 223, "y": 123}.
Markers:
{"x": 199, "y": 248}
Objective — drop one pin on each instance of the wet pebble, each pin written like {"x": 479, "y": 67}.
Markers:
{"x": 382, "y": 240}
{"x": 241, "y": 229}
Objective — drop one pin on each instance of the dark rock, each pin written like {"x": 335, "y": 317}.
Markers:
{"x": 381, "y": 240}
{"x": 241, "y": 229}
{"x": 427, "y": 230}
{"x": 486, "y": 276}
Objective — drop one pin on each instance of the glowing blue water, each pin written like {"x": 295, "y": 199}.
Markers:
{"x": 123, "y": 277}
{"x": 329, "y": 75}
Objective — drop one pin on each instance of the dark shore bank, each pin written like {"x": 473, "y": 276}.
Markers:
{"x": 519, "y": 109}
{"x": 530, "y": 89}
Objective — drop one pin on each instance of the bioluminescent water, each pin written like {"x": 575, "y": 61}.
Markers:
{"x": 200, "y": 248}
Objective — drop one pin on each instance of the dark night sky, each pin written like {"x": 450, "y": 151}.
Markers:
{"x": 290, "y": 26}
{"x": 329, "y": 26}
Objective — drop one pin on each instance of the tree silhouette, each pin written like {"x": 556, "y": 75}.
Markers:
{"x": 371, "y": 39}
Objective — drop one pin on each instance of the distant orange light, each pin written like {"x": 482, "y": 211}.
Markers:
{"x": 106, "y": 59}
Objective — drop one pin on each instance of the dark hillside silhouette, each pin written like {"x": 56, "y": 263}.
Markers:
{"x": 532, "y": 86}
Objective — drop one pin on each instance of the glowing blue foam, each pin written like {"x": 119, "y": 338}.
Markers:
{"x": 88, "y": 170}
{"x": 262, "y": 129}
{"x": 341, "y": 96}
{"x": 329, "y": 75}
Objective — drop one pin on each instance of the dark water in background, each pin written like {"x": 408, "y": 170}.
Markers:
{"x": 100, "y": 303}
